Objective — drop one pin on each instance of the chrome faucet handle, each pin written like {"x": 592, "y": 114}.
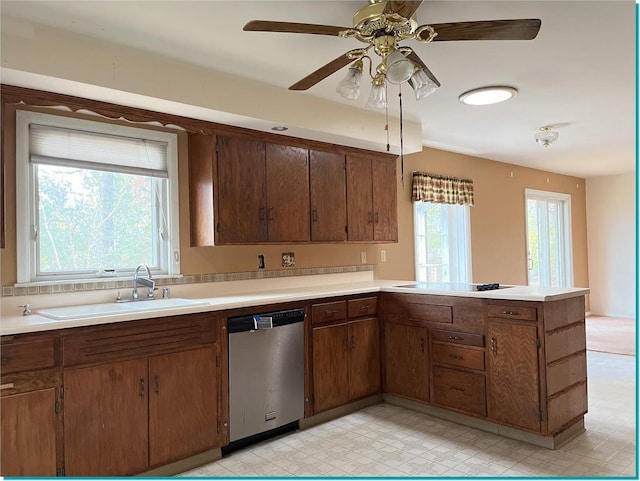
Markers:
{"x": 27, "y": 310}
{"x": 134, "y": 293}
{"x": 150, "y": 293}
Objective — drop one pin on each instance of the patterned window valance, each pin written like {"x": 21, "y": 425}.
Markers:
{"x": 441, "y": 189}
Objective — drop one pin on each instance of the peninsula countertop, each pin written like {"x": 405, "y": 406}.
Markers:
{"x": 13, "y": 323}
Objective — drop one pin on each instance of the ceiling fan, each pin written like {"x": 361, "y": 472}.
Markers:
{"x": 382, "y": 26}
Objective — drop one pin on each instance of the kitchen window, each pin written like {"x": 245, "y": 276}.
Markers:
{"x": 442, "y": 242}
{"x": 97, "y": 199}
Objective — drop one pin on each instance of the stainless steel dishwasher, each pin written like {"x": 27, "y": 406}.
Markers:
{"x": 266, "y": 372}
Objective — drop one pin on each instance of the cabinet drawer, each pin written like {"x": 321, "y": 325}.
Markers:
{"x": 458, "y": 337}
{"x": 363, "y": 307}
{"x": 512, "y": 312}
{"x": 25, "y": 356}
{"x": 460, "y": 390}
{"x": 328, "y": 312}
{"x": 429, "y": 312}
{"x": 457, "y": 356}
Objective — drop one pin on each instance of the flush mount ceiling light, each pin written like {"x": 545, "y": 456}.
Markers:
{"x": 546, "y": 136}
{"x": 279, "y": 128}
{"x": 488, "y": 95}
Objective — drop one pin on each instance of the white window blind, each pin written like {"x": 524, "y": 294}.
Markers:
{"x": 98, "y": 151}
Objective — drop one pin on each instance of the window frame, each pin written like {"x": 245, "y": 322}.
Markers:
{"x": 26, "y": 200}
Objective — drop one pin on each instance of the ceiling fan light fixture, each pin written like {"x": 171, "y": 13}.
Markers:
{"x": 421, "y": 84}
{"x": 546, "y": 136}
{"x": 399, "y": 68}
{"x": 349, "y": 87}
{"x": 488, "y": 95}
{"x": 378, "y": 95}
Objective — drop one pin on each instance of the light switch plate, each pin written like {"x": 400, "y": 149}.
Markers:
{"x": 383, "y": 256}
{"x": 363, "y": 257}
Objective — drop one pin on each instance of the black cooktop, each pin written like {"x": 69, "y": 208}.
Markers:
{"x": 452, "y": 286}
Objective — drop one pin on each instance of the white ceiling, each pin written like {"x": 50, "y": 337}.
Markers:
{"x": 578, "y": 74}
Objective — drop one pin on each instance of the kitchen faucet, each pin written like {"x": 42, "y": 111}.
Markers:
{"x": 143, "y": 281}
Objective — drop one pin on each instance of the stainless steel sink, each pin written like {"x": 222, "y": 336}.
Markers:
{"x": 111, "y": 309}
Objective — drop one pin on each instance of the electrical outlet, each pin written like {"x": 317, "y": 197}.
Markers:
{"x": 363, "y": 257}
{"x": 383, "y": 256}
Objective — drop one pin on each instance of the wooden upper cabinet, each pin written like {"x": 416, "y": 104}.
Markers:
{"x": 328, "y": 196}
{"x": 247, "y": 191}
{"x": 242, "y": 215}
{"x": 287, "y": 187}
{"x": 372, "y": 213}
{"x": 385, "y": 203}
{"x": 359, "y": 199}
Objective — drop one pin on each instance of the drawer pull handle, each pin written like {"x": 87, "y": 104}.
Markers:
{"x": 459, "y": 389}
{"x": 454, "y": 356}
{"x": 157, "y": 380}
{"x": 353, "y": 342}
{"x": 494, "y": 347}
{"x": 456, "y": 338}
{"x": 365, "y": 308}
{"x": 422, "y": 344}
{"x": 9, "y": 385}
{"x": 142, "y": 388}
{"x": 510, "y": 313}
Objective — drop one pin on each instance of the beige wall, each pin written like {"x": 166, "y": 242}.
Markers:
{"x": 497, "y": 225}
{"x": 611, "y": 226}
{"x": 498, "y": 241}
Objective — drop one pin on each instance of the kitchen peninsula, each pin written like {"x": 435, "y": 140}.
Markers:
{"x": 511, "y": 361}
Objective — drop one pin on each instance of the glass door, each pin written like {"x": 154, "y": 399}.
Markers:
{"x": 548, "y": 239}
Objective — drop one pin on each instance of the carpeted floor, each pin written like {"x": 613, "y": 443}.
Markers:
{"x": 614, "y": 335}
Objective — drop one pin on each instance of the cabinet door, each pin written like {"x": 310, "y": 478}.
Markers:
{"x": 287, "y": 193}
{"x": 406, "y": 361}
{"x": 385, "y": 206}
{"x": 183, "y": 400}
{"x": 242, "y": 215}
{"x": 330, "y": 366}
{"x": 514, "y": 393}
{"x": 359, "y": 199}
{"x": 106, "y": 420}
{"x": 328, "y": 196}
{"x": 364, "y": 359}
{"x": 28, "y": 434}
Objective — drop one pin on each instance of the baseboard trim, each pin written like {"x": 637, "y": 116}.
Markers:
{"x": 340, "y": 411}
{"x": 186, "y": 464}
{"x": 549, "y": 442}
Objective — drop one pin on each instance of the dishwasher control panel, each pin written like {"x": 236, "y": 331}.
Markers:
{"x": 266, "y": 320}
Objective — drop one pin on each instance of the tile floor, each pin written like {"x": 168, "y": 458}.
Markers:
{"x": 386, "y": 440}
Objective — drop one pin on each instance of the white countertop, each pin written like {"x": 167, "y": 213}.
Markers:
{"x": 17, "y": 324}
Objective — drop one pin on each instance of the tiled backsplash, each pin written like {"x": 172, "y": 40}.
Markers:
{"x": 8, "y": 291}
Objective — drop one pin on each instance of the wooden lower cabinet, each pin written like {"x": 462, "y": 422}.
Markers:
{"x": 364, "y": 361}
{"x": 513, "y": 374}
{"x": 106, "y": 419}
{"x": 182, "y": 404}
{"x": 406, "y": 361}
{"x": 346, "y": 362}
{"x": 124, "y": 418}
{"x": 330, "y": 366}
{"x": 28, "y": 434}
{"x": 459, "y": 390}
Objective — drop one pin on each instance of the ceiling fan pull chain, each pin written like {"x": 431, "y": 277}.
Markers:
{"x": 401, "y": 139}
{"x": 386, "y": 113}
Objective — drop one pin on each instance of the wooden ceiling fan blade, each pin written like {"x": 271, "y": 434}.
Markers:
{"x": 322, "y": 73}
{"x": 520, "y": 29}
{"x": 291, "y": 27}
{"x": 416, "y": 59}
{"x": 404, "y": 9}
